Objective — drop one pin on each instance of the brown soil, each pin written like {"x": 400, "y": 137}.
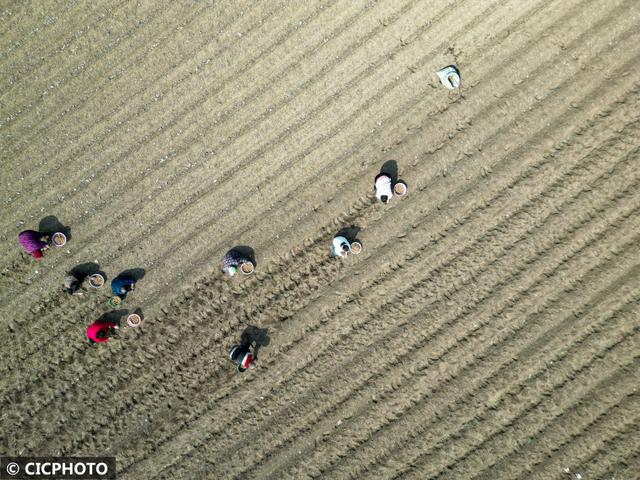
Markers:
{"x": 490, "y": 329}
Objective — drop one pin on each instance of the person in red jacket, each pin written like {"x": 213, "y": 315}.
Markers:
{"x": 100, "y": 331}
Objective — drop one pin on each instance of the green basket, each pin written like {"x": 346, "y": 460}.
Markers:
{"x": 114, "y": 302}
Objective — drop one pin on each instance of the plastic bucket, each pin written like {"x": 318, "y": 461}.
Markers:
{"x": 114, "y": 302}
{"x": 356, "y": 248}
{"x": 59, "y": 239}
{"x": 400, "y": 189}
{"x": 247, "y": 268}
{"x": 96, "y": 281}
{"x": 134, "y": 320}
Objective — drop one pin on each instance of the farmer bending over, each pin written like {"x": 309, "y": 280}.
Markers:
{"x": 340, "y": 246}
{"x": 100, "y": 331}
{"x": 232, "y": 260}
{"x": 120, "y": 286}
{"x": 35, "y": 243}
{"x": 382, "y": 184}
{"x": 72, "y": 285}
{"x": 241, "y": 356}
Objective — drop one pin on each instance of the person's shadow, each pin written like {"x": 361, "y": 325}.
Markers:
{"x": 390, "y": 168}
{"x": 257, "y": 336}
{"x": 114, "y": 316}
{"x": 246, "y": 252}
{"x": 85, "y": 270}
{"x": 51, "y": 225}
{"x": 135, "y": 274}
{"x": 350, "y": 233}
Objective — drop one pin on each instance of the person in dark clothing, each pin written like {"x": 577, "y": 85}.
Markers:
{"x": 72, "y": 285}
{"x": 121, "y": 286}
{"x": 232, "y": 261}
{"x": 242, "y": 356}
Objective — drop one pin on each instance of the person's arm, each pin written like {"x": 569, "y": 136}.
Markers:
{"x": 43, "y": 247}
{"x": 105, "y": 327}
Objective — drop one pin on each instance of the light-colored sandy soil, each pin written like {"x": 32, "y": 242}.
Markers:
{"x": 489, "y": 330}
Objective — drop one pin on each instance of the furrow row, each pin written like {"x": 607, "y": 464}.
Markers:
{"x": 152, "y": 109}
{"x": 127, "y": 112}
{"x": 488, "y": 329}
{"x": 515, "y": 346}
{"x": 530, "y": 327}
{"x": 429, "y": 290}
{"x": 23, "y": 57}
{"x": 515, "y": 434}
{"x": 600, "y": 429}
{"x": 503, "y": 377}
{"x": 187, "y": 202}
{"x": 39, "y": 23}
{"x": 612, "y": 452}
{"x": 627, "y": 468}
{"x": 457, "y": 336}
{"x": 588, "y": 380}
{"x": 201, "y": 227}
{"x": 171, "y": 131}
{"x": 12, "y": 16}
{"x": 39, "y": 87}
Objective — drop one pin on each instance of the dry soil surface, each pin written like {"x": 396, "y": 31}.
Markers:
{"x": 490, "y": 327}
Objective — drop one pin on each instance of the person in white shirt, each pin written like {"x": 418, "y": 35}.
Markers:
{"x": 340, "y": 246}
{"x": 72, "y": 285}
{"x": 383, "y": 187}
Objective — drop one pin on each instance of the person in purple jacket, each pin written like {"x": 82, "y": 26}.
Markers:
{"x": 35, "y": 243}
{"x": 232, "y": 261}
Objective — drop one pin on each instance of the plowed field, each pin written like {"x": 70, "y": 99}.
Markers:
{"x": 489, "y": 329}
